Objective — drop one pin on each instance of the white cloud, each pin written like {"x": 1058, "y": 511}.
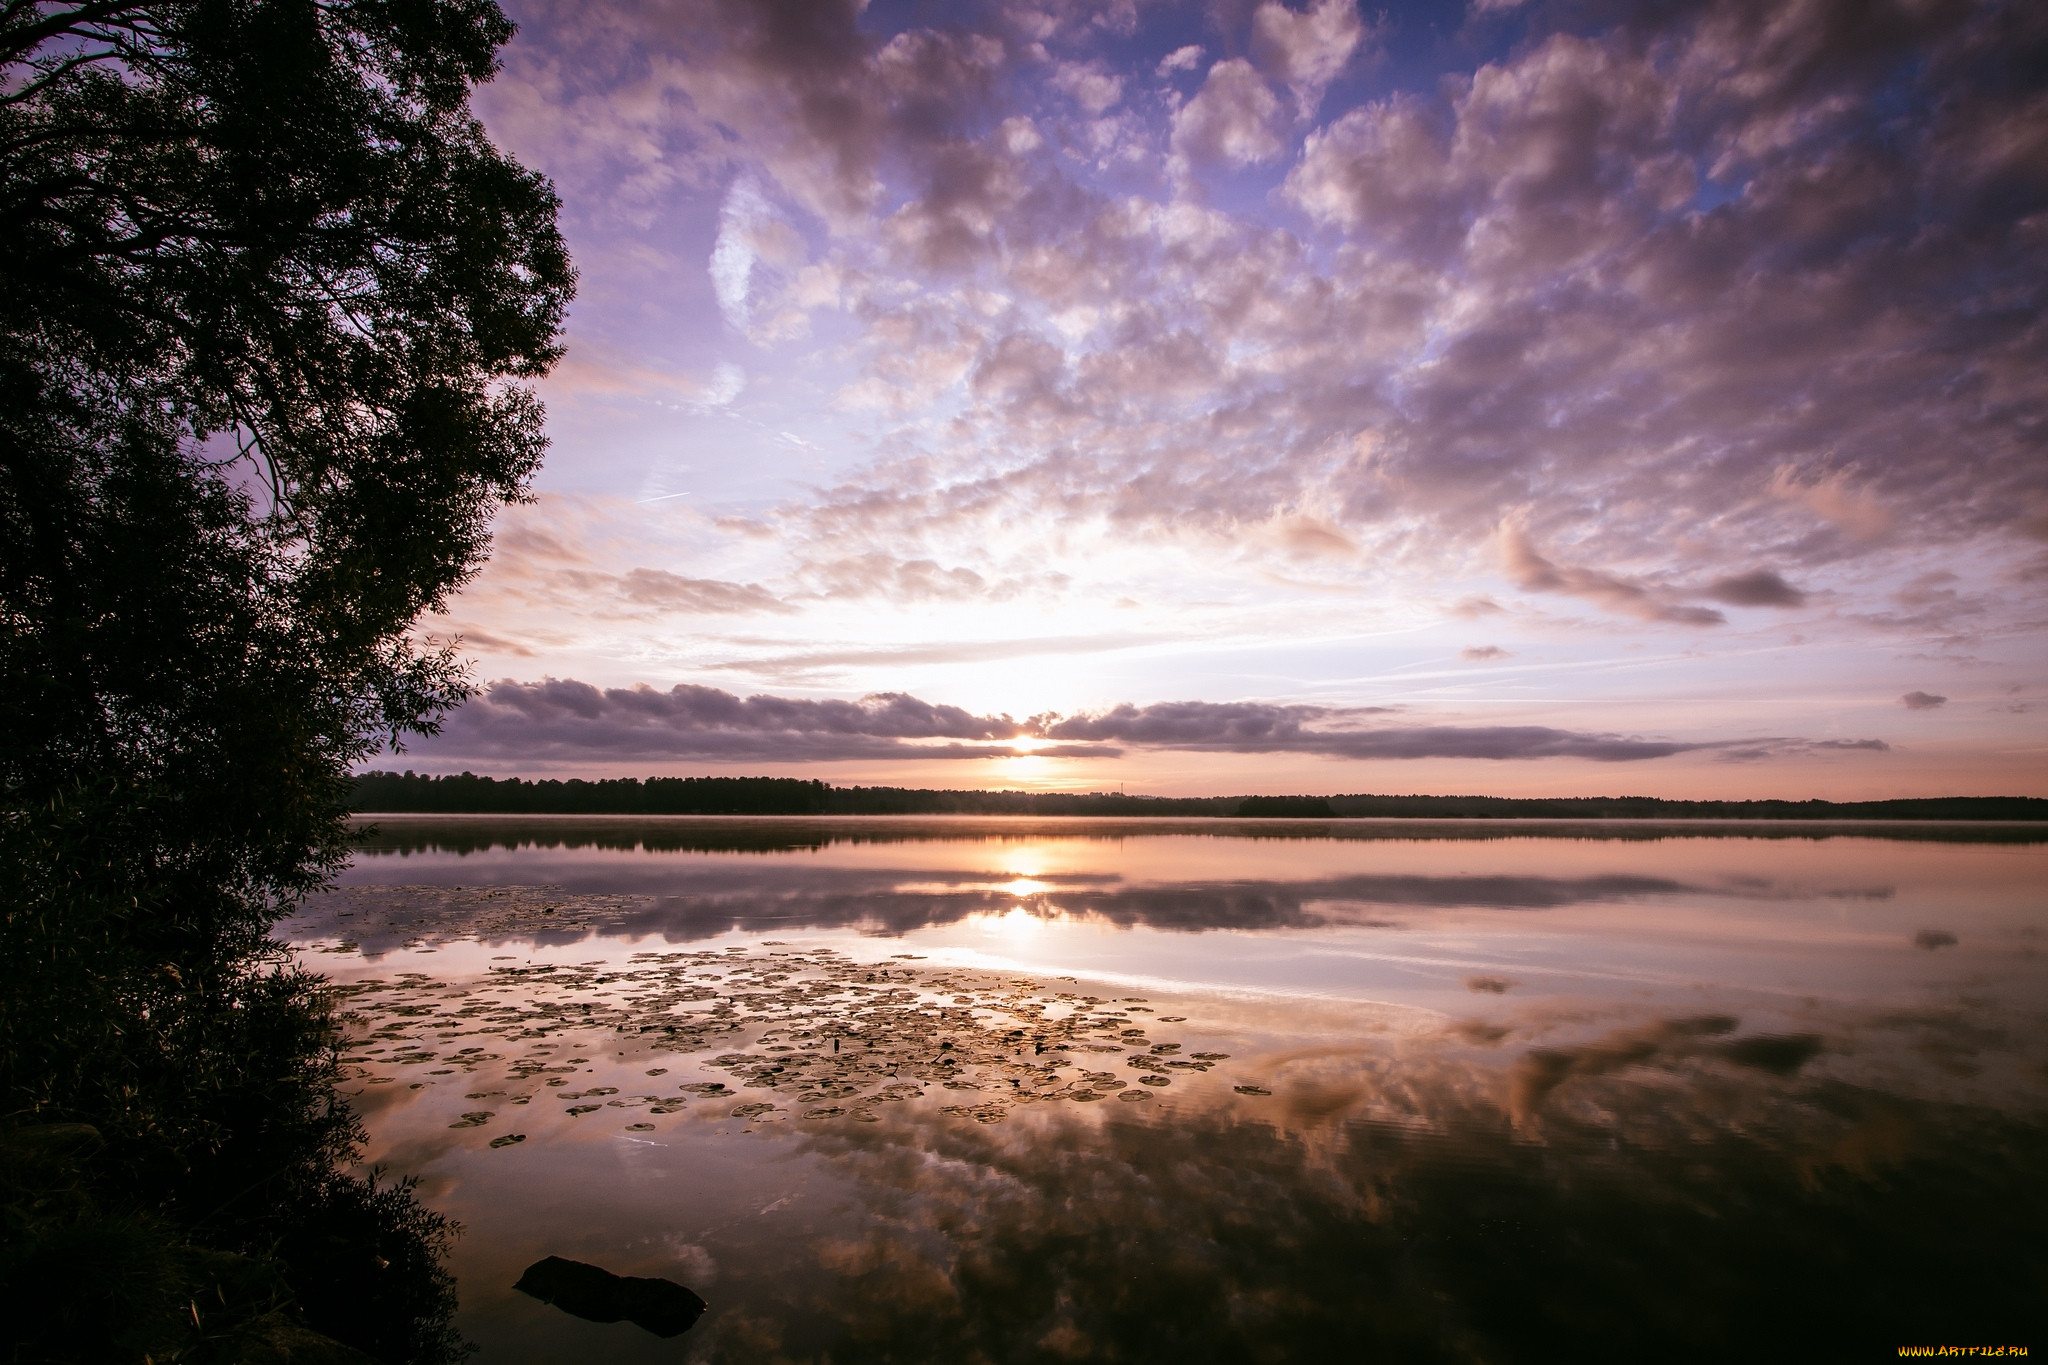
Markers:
{"x": 733, "y": 255}
{"x": 1231, "y": 120}
{"x": 1090, "y": 85}
{"x": 727, "y": 382}
{"x": 1306, "y": 51}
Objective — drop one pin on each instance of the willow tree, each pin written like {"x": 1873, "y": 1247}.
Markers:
{"x": 272, "y": 305}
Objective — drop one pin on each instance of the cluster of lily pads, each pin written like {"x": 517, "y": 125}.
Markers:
{"x": 813, "y": 1031}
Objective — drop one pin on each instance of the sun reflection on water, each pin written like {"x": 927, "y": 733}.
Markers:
{"x": 1016, "y": 922}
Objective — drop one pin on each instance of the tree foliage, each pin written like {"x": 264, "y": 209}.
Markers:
{"x": 272, "y": 305}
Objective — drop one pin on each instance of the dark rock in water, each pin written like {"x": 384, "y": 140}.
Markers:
{"x": 594, "y": 1294}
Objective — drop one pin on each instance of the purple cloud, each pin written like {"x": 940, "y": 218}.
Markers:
{"x": 1257, "y": 727}
{"x": 561, "y": 720}
{"x": 1757, "y": 588}
{"x": 1689, "y": 269}
{"x": 1533, "y": 573}
{"x": 1672, "y": 266}
{"x": 671, "y": 592}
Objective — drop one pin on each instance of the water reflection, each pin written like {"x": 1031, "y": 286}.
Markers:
{"x": 785, "y": 834}
{"x": 1503, "y": 1099}
{"x": 692, "y": 881}
{"x": 1651, "y": 1231}
{"x": 897, "y": 901}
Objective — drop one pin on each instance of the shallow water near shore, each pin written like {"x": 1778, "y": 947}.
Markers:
{"x": 975, "y": 1089}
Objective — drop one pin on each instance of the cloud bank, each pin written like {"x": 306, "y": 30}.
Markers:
{"x": 562, "y": 720}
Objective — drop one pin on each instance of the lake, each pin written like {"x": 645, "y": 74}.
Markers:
{"x": 1090, "y": 1090}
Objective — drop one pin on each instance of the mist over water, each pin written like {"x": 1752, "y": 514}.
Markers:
{"x": 1431, "y": 1092}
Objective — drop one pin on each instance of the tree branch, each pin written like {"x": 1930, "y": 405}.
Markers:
{"x": 16, "y": 47}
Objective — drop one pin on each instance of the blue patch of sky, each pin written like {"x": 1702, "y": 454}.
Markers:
{"x": 1712, "y": 193}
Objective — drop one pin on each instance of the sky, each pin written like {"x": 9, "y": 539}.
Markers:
{"x": 1196, "y": 398}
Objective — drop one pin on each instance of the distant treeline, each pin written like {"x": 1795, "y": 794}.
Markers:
{"x": 467, "y": 793}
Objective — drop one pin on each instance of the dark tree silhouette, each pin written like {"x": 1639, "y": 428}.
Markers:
{"x": 270, "y": 300}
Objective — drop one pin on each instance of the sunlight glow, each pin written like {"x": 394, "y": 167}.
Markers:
{"x": 1014, "y": 923}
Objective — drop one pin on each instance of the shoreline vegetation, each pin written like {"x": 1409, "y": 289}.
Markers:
{"x": 409, "y": 793}
{"x": 275, "y": 309}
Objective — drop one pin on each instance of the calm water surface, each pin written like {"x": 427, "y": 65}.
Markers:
{"x": 1020, "y": 1090}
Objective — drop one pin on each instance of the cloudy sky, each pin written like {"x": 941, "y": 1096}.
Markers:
{"x": 1223, "y": 396}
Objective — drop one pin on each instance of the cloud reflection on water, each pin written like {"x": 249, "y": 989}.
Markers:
{"x": 1667, "y": 1097}
{"x": 895, "y": 902}
{"x": 1156, "y": 875}
{"x": 1390, "y": 1201}
{"x": 1672, "y": 1221}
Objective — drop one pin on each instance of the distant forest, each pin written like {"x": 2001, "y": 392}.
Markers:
{"x": 467, "y": 793}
